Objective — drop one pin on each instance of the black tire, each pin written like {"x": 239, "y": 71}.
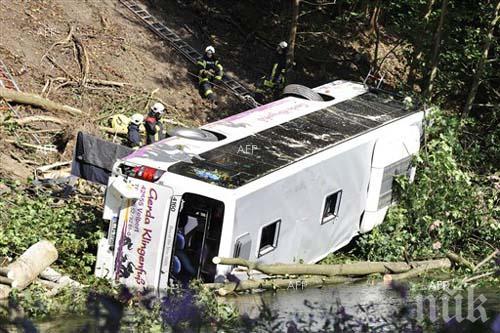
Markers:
{"x": 297, "y": 90}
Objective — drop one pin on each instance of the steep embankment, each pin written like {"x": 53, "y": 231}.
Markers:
{"x": 62, "y": 49}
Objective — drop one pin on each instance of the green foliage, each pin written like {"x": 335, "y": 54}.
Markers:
{"x": 73, "y": 227}
{"x": 221, "y": 313}
{"x": 448, "y": 207}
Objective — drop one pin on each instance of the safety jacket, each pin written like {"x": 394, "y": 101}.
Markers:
{"x": 154, "y": 130}
{"x": 278, "y": 71}
{"x": 205, "y": 65}
{"x": 133, "y": 136}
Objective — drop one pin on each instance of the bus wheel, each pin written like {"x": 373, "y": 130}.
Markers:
{"x": 297, "y": 90}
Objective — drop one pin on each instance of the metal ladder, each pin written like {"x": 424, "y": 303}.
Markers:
{"x": 376, "y": 77}
{"x": 186, "y": 50}
{"x": 7, "y": 82}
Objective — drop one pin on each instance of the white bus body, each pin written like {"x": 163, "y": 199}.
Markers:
{"x": 290, "y": 181}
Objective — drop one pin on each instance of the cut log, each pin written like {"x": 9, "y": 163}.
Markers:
{"x": 5, "y": 280}
{"x": 36, "y": 100}
{"x": 356, "y": 269}
{"x": 4, "y": 291}
{"x": 31, "y": 263}
{"x": 56, "y": 281}
{"x": 299, "y": 283}
{"x": 4, "y": 271}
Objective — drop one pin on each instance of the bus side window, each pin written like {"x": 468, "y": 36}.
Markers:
{"x": 269, "y": 238}
{"x": 331, "y": 207}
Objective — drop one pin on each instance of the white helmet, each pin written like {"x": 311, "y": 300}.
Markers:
{"x": 137, "y": 118}
{"x": 283, "y": 45}
{"x": 158, "y": 108}
{"x": 210, "y": 48}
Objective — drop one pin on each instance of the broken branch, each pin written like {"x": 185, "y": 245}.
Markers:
{"x": 35, "y": 100}
{"x": 459, "y": 260}
{"x": 485, "y": 260}
{"x": 33, "y": 119}
{"x": 420, "y": 269}
{"x": 61, "y": 42}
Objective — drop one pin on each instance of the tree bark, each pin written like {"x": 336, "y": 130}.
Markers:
{"x": 355, "y": 269}
{"x": 31, "y": 263}
{"x": 377, "y": 43}
{"x": 436, "y": 50}
{"x": 35, "y": 100}
{"x": 299, "y": 283}
{"x": 417, "y": 271}
{"x": 293, "y": 31}
{"x": 480, "y": 65}
{"x": 4, "y": 291}
{"x": 459, "y": 260}
{"x": 374, "y": 17}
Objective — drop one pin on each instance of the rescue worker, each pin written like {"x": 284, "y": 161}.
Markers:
{"x": 133, "y": 133}
{"x": 154, "y": 128}
{"x": 275, "y": 81}
{"x": 209, "y": 71}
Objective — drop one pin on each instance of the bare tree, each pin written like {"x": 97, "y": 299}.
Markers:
{"x": 481, "y": 63}
{"x": 374, "y": 18}
{"x": 436, "y": 49}
{"x": 416, "y": 59}
{"x": 293, "y": 31}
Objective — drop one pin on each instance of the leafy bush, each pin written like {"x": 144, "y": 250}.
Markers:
{"x": 448, "y": 207}
{"x": 73, "y": 227}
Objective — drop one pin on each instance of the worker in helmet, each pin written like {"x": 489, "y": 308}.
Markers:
{"x": 133, "y": 133}
{"x": 275, "y": 80}
{"x": 154, "y": 128}
{"x": 209, "y": 72}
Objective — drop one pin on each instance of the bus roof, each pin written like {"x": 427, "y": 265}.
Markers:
{"x": 239, "y": 162}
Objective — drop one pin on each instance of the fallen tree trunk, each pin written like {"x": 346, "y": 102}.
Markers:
{"x": 35, "y": 100}
{"x": 31, "y": 263}
{"x": 356, "y": 269}
{"x": 297, "y": 283}
{"x": 417, "y": 271}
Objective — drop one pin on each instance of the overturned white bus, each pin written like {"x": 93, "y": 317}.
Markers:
{"x": 290, "y": 181}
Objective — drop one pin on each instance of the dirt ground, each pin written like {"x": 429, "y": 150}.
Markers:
{"x": 34, "y": 44}
{"x": 119, "y": 49}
